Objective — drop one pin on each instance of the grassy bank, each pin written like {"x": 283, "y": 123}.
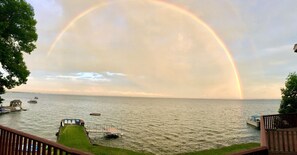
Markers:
{"x": 225, "y": 150}
{"x": 74, "y": 136}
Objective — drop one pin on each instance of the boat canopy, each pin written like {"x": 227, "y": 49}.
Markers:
{"x": 255, "y": 117}
{"x": 72, "y": 122}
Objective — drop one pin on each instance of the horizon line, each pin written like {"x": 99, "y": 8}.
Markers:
{"x": 127, "y": 96}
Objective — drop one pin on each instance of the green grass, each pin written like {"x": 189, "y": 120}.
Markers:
{"x": 74, "y": 136}
{"x": 225, "y": 150}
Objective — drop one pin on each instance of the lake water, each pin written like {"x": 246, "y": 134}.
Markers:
{"x": 159, "y": 126}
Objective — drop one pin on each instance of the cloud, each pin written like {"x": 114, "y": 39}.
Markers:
{"x": 87, "y": 76}
{"x": 279, "y": 48}
{"x": 114, "y": 74}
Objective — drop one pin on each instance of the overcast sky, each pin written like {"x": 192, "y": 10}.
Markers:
{"x": 159, "y": 49}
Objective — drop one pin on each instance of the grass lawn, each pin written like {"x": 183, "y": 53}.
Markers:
{"x": 225, "y": 150}
{"x": 74, "y": 136}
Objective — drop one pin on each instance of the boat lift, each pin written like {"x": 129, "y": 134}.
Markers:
{"x": 108, "y": 131}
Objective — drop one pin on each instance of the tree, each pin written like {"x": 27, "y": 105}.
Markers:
{"x": 17, "y": 36}
{"x": 289, "y": 95}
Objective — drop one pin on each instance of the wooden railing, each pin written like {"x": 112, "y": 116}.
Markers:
{"x": 14, "y": 142}
{"x": 279, "y": 133}
{"x": 280, "y": 121}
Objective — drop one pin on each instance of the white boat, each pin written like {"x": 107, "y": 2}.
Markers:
{"x": 4, "y": 110}
{"x": 111, "y": 132}
{"x": 254, "y": 120}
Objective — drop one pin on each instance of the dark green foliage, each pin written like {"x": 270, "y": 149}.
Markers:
{"x": 289, "y": 95}
{"x": 17, "y": 35}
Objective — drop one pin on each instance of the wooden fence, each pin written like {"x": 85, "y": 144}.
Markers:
{"x": 14, "y": 142}
{"x": 282, "y": 140}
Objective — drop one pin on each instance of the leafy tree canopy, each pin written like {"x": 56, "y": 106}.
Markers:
{"x": 17, "y": 36}
{"x": 289, "y": 95}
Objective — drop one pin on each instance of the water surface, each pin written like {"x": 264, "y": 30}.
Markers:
{"x": 160, "y": 126}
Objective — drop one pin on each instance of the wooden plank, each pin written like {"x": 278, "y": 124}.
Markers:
{"x": 278, "y": 141}
{"x": 10, "y": 144}
{"x": 49, "y": 150}
{"x": 55, "y": 151}
{"x": 288, "y": 141}
{"x": 269, "y": 142}
{"x": 43, "y": 149}
{"x": 39, "y": 148}
{"x": 1, "y": 137}
{"x": 25, "y": 145}
{"x": 13, "y": 147}
{"x": 19, "y": 145}
{"x": 293, "y": 140}
{"x": 34, "y": 147}
{"x": 283, "y": 141}
{"x": 30, "y": 146}
{"x": 20, "y": 139}
{"x": 5, "y": 135}
{"x": 273, "y": 139}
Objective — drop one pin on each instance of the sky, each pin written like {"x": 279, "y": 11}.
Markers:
{"x": 172, "y": 48}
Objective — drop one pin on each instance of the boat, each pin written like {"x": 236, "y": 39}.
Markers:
{"x": 32, "y": 101}
{"x": 4, "y": 110}
{"x": 95, "y": 114}
{"x": 254, "y": 120}
{"x": 111, "y": 132}
{"x": 15, "y": 105}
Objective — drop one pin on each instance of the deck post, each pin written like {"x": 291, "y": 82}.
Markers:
{"x": 263, "y": 133}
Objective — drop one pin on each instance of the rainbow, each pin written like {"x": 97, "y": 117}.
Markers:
{"x": 72, "y": 22}
{"x": 169, "y": 6}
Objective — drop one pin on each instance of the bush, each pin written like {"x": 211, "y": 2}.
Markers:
{"x": 289, "y": 95}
